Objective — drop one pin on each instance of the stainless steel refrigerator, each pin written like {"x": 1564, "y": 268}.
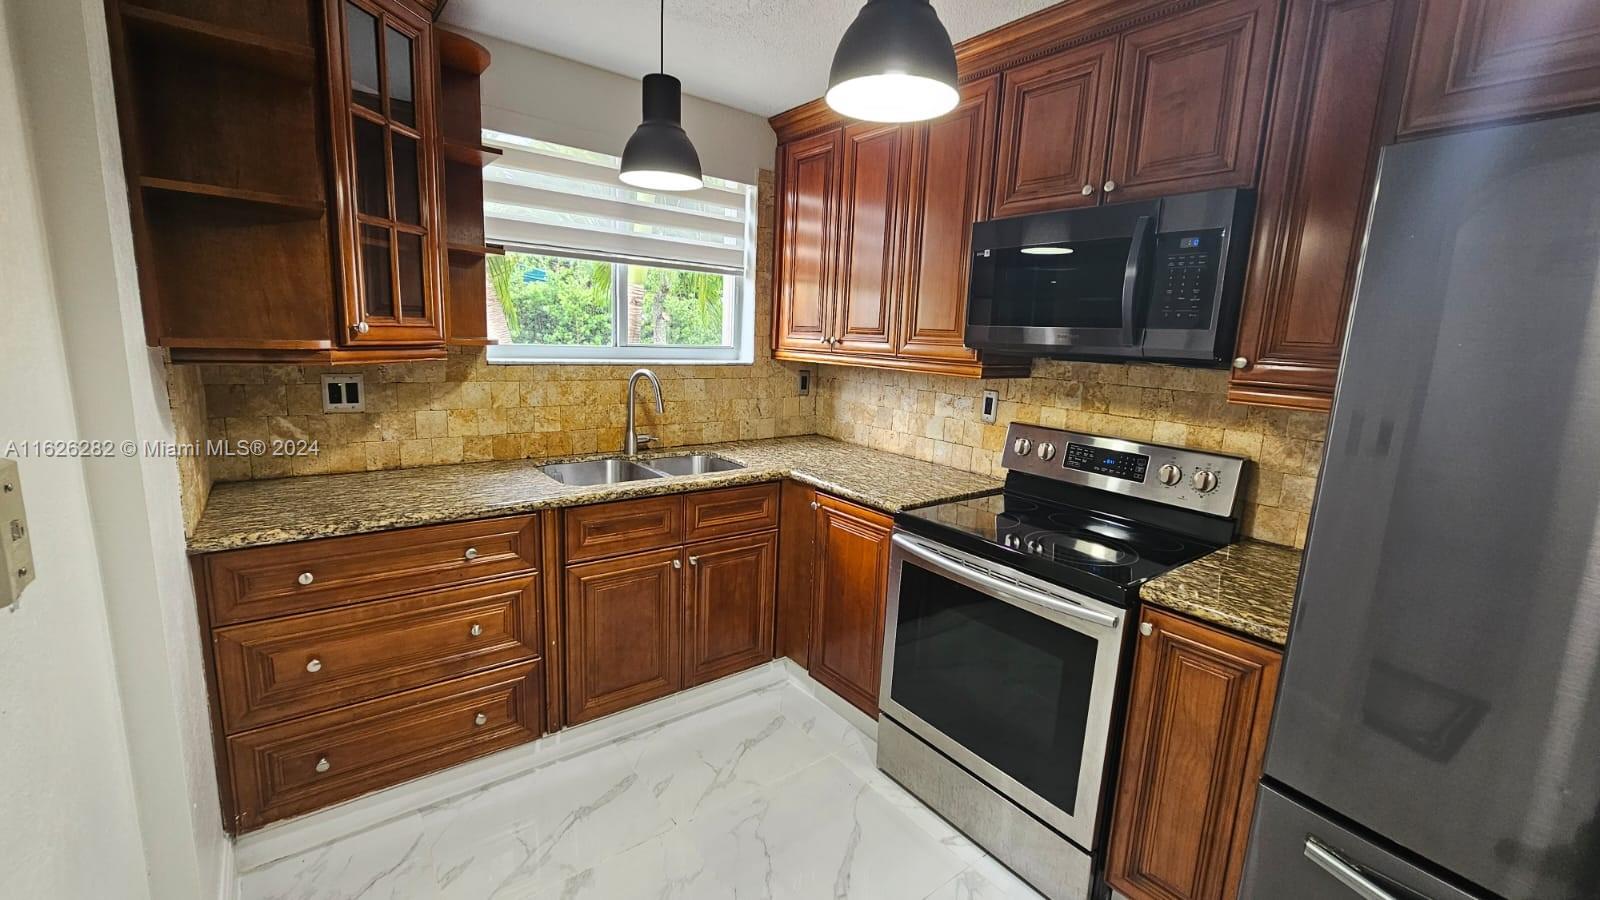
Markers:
{"x": 1438, "y": 727}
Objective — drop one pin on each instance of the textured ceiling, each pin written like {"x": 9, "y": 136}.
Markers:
{"x": 762, "y": 56}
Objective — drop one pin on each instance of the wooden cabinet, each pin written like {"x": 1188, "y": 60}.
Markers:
{"x": 1191, "y": 93}
{"x": 624, "y": 642}
{"x": 1198, "y": 715}
{"x": 797, "y": 571}
{"x": 808, "y": 235}
{"x": 852, "y": 571}
{"x": 345, "y": 665}
{"x": 1323, "y": 136}
{"x": 868, "y": 266}
{"x": 665, "y": 593}
{"x": 1480, "y": 61}
{"x": 284, "y": 177}
{"x": 1054, "y": 126}
{"x": 732, "y": 586}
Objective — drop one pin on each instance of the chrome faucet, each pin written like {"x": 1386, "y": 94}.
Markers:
{"x": 631, "y": 439}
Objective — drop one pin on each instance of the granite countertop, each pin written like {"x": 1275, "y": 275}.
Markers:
{"x": 1248, "y": 587}
{"x": 259, "y": 513}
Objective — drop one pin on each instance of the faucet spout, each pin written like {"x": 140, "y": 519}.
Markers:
{"x": 631, "y": 439}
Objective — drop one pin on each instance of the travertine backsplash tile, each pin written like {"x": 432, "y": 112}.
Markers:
{"x": 936, "y": 418}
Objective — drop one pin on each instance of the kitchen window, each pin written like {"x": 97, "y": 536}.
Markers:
{"x": 596, "y": 271}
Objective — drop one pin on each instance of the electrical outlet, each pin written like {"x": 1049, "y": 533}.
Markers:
{"x": 991, "y": 406}
{"x": 14, "y": 538}
{"x": 805, "y": 382}
{"x": 344, "y": 393}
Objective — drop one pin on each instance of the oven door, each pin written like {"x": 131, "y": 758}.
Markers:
{"x": 1009, "y": 676}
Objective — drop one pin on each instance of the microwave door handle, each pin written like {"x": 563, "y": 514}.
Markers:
{"x": 1132, "y": 277}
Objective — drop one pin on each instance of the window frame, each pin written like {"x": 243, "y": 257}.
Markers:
{"x": 742, "y": 313}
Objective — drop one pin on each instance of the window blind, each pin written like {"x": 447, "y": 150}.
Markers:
{"x": 564, "y": 201}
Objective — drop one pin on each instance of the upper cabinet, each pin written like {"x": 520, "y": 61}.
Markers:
{"x": 284, "y": 177}
{"x": 1321, "y": 159}
{"x": 874, "y": 176}
{"x": 1480, "y": 61}
{"x": 1054, "y": 124}
{"x": 808, "y": 233}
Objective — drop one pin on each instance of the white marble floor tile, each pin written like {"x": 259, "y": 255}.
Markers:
{"x": 769, "y": 796}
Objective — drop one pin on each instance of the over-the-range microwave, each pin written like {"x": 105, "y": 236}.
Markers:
{"x": 1153, "y": 280}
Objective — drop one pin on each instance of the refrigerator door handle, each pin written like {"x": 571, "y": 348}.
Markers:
{"x": 1346, "y": 874}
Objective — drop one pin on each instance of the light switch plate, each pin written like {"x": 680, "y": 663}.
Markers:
{"x": 344, "y": 393}
{"x": 15, "y": 540}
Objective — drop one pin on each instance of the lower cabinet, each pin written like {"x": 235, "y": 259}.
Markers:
{"x": 1198, "y": 715}
{"x": 852, "y": 572}
{"x": 693, "y": 600}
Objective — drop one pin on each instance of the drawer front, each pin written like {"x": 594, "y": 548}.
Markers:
{"x": 275, "y": 670}
{"x": 245, "y": 585}
{"x": 284, "y": 770}
{"x": 743, "y": 510}
{"x": 629, "y": 526}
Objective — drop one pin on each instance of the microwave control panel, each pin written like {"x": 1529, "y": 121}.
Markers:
{"x": 1187, "y": 268}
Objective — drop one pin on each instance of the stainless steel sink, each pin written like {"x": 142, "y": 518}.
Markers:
{"x": 599, "y": 471}
{"x": 698, "y": 464}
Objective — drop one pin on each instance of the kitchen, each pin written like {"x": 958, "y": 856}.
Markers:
{"x": 1002, "y": 449}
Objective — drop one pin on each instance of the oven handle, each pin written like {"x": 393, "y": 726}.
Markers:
{"x": 1132, "y": 276}
{"x": 1012, "y": 591}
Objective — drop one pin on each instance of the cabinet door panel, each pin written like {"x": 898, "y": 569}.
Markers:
{"x": 732, "y": 585}
{"x": 873, "y": 201}
{"x": 1198, "y": 714}
{"x": 1322, "y": 143}
{"x": 1190, "y": 100}
{"x": 852, "y": 582}
{"x": 623, "y": 633}
{"x": 808, "y": 241}
{"x": 1481, "y": 60}
{"x": 952, "y": 164}
{"x": 1053, "y": 131}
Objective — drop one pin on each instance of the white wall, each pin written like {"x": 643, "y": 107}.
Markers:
{"x": 536, "y": 94}
{"x": 107, "y": 779}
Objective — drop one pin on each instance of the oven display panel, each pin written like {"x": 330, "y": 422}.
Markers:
{"x": 1099, "y": 461}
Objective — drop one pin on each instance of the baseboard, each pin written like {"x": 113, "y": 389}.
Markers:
{"x": 824, "y": 695}
{"x": 298, "y": 835}
{"x": 228, "y": 873}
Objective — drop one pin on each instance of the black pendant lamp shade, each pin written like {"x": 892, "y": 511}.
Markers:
{"x": 895, "y": 63}
{"x": 660, "y": 156}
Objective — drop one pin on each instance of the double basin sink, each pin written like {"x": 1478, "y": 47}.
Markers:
{"x": 617, "y": 470}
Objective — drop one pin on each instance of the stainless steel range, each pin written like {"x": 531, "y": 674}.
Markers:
{"x": 1003, "y": 668}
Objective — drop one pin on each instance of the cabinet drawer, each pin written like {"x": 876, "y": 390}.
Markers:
{"x": 275, "y": 670}
{"x": 283, "y": 770}
{"x": 713, "y": 514}
{"x": 244, "y": 585}
{"x": 628, "y": 526}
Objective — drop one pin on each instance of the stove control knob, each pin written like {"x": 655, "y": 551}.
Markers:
{"x": 1204, "y": 482}
{"x": 1046, "y": 451}
{"x": 1033, "y": 547}
{"x": 1022, "y": 446}
{"x": 1170, "y": 474}
{"x": 1013, "y": 541}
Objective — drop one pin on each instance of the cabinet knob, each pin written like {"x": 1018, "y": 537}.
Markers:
{"x": 314, "y": 666}
{"x": 472, "y": 553}
{"x": 480, "y": 719}
{"x": 361, "y": 328}
{"x": 1088, "y": 190}
{"x": 306, "y": 578}
{"x": 694, "y": 560}
{"x": 677, "y": 564}
{"x": 1146, "y": 629}
{"x": 475, "y": 630}
{"x": 822, "y": 340}
{"x": 815, "y": 505}
{"x": 1241, "y": 363}
{"x": 1111, "y": 186}
{"x": 323, "y": 765}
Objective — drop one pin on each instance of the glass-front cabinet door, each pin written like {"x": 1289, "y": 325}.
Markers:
{"x": 384, "y": 145}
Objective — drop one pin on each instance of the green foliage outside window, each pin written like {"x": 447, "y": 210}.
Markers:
{"x": 551, "y": 300}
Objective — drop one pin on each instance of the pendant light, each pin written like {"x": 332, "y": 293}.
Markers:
{"x": 659, "y": 156}
{"x": 895, "y": 63}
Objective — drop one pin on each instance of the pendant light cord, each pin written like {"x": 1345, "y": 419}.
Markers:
{"x": 663, "y": 37}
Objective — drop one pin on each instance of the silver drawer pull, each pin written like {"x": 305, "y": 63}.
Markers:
{"x": 815, "y": 505}
{"x": 677, "y": 564}
{"x": 480, "y": 719}
{"x": 314, "y": 666}
{"x": 323, "y": 765}
{"x": 472, "y": 553}
{"x": 694, "y": 560}
{"x": 306, "y": 578}
{"x": 475, "y": 630}
{"x": 1344, "y": 873}
{"x": 1146, "y": 629}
